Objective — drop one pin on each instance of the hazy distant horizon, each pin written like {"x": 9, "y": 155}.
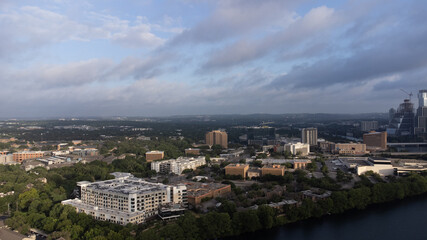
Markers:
{"x": 158, "y": 58}
{"x": 183, "y": 116}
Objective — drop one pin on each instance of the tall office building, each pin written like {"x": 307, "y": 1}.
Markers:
{"x": 217, "y": 137}
{"x": 421, "y": 117}
{"x": 402, "y": 123}
{"x": 309, "y": 135}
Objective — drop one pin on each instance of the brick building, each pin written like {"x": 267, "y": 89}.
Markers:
{"x": 237, "y": 169}
{"x": 375, "y": 140}
{"x": 154, "y": 155}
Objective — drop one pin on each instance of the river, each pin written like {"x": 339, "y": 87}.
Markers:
{"x": 406, "y": 219}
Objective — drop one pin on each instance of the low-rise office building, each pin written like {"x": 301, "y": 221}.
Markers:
{"x": 177, "y": 165}
{"x": 6, "y": 159}
{"x": 254, "y": 172}
{"x": 350, "y": 148}
{"x": 192, "y": 151}
{"x": 237, "y": 170}
{"x": 327, "y": 146}
{"x": 154, "y": 155}
{"x": 24, "y": 155}
{"x": 298, "y": 148}
{"x": 276, "y": 170}
{"x": 296, "y": 163}
{"x": 125, "y": 199}
{"x": 196, "y": 191}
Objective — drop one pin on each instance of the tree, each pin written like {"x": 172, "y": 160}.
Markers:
{"x": 266, "y": 216}
{"x": 188, "y": 224}
{"x": 27, "y": 197}
{"x": 246, "y": 221}
{"x": 215, "y": 225}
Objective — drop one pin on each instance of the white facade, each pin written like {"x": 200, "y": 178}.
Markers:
{"x": 383, "y": 170}
{"x": 422, "y": 98}
{"x": 294, "y": 148}
{"x": 177, "y": 165}
{"x": 5, "y": 159}
{"x": 125, "y": 199}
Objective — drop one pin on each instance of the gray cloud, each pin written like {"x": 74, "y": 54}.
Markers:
{"x": 234, "y": 18}
{"x": 311, "y": 25}
{"x": 399, "y": 54}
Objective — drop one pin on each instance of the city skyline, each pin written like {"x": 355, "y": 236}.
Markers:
{"x": 64, "y": 58}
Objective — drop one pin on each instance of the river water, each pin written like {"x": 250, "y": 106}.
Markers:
{"x": 406, "y": 219}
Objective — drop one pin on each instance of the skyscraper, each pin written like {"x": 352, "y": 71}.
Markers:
{"x": 421, "y": 117}
{"x": 217, "y": 137}
{"x": 402, "y": 123}
{"x": 309, "y": 135}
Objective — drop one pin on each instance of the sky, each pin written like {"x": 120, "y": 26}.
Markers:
{"x": 70, "y": 58}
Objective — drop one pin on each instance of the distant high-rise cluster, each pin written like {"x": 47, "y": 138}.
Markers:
{"x": 217, "y": 137}
{"x": 405, "y": 121}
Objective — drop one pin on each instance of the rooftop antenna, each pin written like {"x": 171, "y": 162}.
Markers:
{"x": 409, "y": 94}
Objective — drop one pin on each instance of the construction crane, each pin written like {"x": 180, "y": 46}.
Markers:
{"x": 409, "y": 94}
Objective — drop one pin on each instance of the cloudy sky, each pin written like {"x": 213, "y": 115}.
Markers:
{"x": 63, "y": 58}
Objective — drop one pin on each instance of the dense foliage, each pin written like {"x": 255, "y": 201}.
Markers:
{"x": 36, "y": 204}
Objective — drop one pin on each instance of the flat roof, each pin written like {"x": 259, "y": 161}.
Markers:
{"x": 196, "y": 189}
{"x": 131, "y": 185}
{"x": 152, "y": 152}
{"x": 238, "y": 165}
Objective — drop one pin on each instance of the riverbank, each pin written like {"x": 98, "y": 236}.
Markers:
{"x": 392, "y": 220}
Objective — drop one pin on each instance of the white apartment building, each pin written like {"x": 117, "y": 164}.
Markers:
{"x": 177, "y": 165}
{"x": 125, "y": 199}
{"x": 294, "y": 148}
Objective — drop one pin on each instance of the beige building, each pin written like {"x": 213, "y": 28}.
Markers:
{"x": 375, "y": 140}
{"x": 154, "y": 155}
{"x": 253, "y": 173}
{"x": 125, "y": 199}
{"x": 276, "y": 170}
{"x": 217, "y": 137}
{"x": 301, "y": 164}
{"x": 237, "y": 169}
{"x": 6, "y": 140}
{"x": 198, "y": 191}
{"x": 350, "y": 148}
